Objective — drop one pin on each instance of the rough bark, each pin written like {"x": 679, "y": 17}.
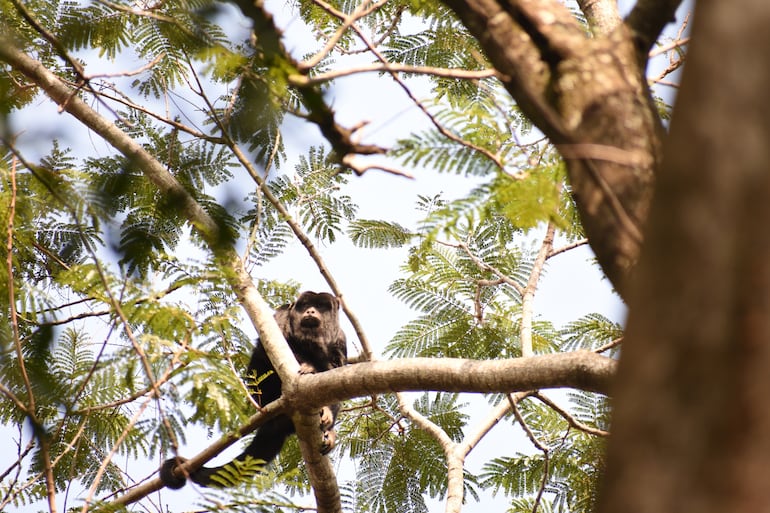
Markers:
{"x": 691, "y": 427}
{"x": 614, "y": 149}
{"x": 590, "y": 97}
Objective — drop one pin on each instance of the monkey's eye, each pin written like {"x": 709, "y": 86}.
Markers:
{"x": 321, "y": 306}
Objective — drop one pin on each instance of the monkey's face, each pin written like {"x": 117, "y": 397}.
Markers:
{"x": 310, "y": 318}
{"x": 314, "y": 310}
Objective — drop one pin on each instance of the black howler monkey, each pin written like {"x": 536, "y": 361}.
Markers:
{"x": 311, "y": 327}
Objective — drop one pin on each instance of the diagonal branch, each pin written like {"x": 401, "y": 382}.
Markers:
{"x": 647, "y": 20}
{"x": 278, "y": 59}
{"x": 258, "y": 310}
{"x": 255, "y": 306}
{"x": 269, "y": 411}
{"x": 512, "y": 51}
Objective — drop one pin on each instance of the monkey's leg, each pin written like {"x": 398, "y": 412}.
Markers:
{"x": 269, "y": 439}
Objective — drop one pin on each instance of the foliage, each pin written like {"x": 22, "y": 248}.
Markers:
{"x": 124, "y": 338}
{"x": 567, "y": 474}
{"x": 400, "y": 464}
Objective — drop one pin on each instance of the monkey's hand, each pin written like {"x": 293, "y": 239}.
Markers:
{"x": 306, "y": 368}
{"x": 329, "y": 435}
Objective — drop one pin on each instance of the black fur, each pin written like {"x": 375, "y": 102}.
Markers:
{"x": 311, "y": 327}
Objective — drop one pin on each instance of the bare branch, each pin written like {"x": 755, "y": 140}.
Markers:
{"x": 137, "y": 71}
{"x": 602, "y": 15}
{"x": 351, "y": 161}
{"x": 392, "y": 67}
{"x": 363, "y": 9}
{"x": 571, "y": 420}
{"x": 514, "y": 401}
{"x": 527, "y": 299}
{"x": 673, "y": 45}
{"x": 583, "y": 370}
{"x": 608, "y": 346}
{"x": 341, "y": 138}
{"x": 568, "y": 247}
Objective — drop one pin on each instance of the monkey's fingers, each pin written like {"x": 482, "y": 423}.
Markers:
{"x": 306, "y": 368}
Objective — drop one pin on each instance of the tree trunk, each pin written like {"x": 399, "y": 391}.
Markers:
{"x": 589, "y": 95}
{"x": 691, "y": 428}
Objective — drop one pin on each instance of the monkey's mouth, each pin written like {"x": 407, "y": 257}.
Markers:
{"x": 310, "y": 322}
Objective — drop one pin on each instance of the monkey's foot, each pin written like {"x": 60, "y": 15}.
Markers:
{"x": 327, "y": 418}
{"x": 329, "y": 435}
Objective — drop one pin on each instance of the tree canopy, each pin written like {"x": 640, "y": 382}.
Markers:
{"x": 153, "y": 222}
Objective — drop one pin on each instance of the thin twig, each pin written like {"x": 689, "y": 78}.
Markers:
{"x": 361, "y": 10}
{"x": 609, "y": 345}
{"x": 568, "y": 247}
{"x": 571, "y": 420}
{"x": 391, "y": 67}
{"x": 540, "y": 446}
{"x": 443, "y": 130}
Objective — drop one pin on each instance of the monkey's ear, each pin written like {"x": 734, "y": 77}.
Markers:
{"x": 282, "y": 318}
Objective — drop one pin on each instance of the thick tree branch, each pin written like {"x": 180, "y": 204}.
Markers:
{"x": 697, "y": 349}
{"x": 647, "y": 20}
{"x": 589, "y": 96}
{"x": 583, "y": 370}
{"x": 319, "y": 467}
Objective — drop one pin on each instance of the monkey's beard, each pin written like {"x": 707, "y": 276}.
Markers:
{"x": 310, "y": 322}
{"x": 310, "y": 335}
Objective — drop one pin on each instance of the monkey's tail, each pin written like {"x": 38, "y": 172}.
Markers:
{"x": 263, "y": 449}
{"x": 224, "y": 476}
